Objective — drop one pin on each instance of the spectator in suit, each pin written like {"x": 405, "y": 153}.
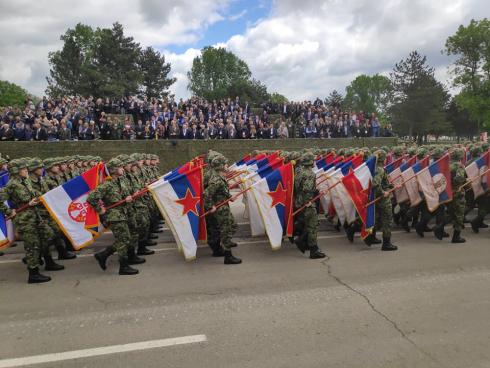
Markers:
{"x": 185, "y": 132}
{"x": 64, "y": 133}
{"x": 40, "y": 133}
{"x": 271, "y": 132}
{"x": 311, "y": 130}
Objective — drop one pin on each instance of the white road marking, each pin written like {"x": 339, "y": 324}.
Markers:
{"x": 158, "y": 250}
{"x": 87, "y": 353}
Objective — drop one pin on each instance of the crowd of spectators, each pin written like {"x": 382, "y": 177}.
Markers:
{"x": 74, "y": 118}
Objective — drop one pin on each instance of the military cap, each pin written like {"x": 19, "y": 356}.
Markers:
{"x": 17, "y": 164}
{"x": 307, "y": 159}
{"x": 218, "y": 162}
{"x": 412, "y": 151}
{"x": 457, "y": 154}
{"x": 50, "y": 162}
{"x": 476, "y": 151}
{"x": 35, "y": 163}
{"x": 437, "y": 153}
{"x": 421, "y": 153}
{"x": 485, "y": 146}
{"x": 113, "y": 164}
{"x": 3, "y": 161}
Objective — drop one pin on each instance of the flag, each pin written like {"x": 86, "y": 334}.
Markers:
{"x": 338, "y": 194}
{"x": 476, "y": 168}
{"x": 397, "y": 178}
{"x": 240, "y": 163}
{"x": 179, "y": 201}
{"x": 7, "y": 234}
{"x": 435, "y": 183}
{"x": 324, "y": 161}
{"x": 67, "y": 205}
{"x": 358, "y": 184}
{"x": 274, "y": 196}
{"x": 411, "y": 185}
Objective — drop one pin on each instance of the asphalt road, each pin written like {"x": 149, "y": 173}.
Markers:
{"x": 426, "y": 305}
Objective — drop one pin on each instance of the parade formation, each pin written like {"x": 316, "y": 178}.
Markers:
{"x": 63, "y": 204}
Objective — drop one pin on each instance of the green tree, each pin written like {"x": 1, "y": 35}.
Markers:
{"x": 277, "y": 98}
{"x": 420, "y": 101}
{"x": 12, "y": 94}
{"x": 218, "y": 73}
{"x": 334, "y": 99}
{"x": 105, "y": 63}
{"x": 369, "y": 94}
{"x": 471, "y": 69}
{"x": 155, "y": 82}
{"x": 461, "y": 121}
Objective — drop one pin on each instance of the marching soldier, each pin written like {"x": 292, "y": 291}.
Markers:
{"x": 116, "y": 219}
{"x": 220, "y": 223}
{"x": 306, "y": 221}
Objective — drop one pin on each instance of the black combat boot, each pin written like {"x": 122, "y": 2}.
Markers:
{"x": 439, "y": 232}
{"x": 148, "y": 243}
{"x": 51, "y": 265}
{"x": 230, "y": 259}
{"x": 133, "y": 258}
{"x": 153, "y": 236}
{"x": 144, "y": 251}
{"x": 301, "y": 244}
{"x": 217, "y": 250}
{"x": 420, "y": 229}
{"x": 102, "y": 256}
{"x": 316, "y": 253}
{"x": 124, "y": 268}
{"x": 457, "y": 239}
{"x": 1, "y": 254}
{"x": 375, "y": 240}
{"x": 157, "y": 229}
{"x": 350, "y": 232}
{"x": 405, "y": 225}
{"x": 63, "y": 253}
{"x": 387, "y": 246}
{"x": 35, "y": 277}
{"x": 475, "y": 224}
{"x": 483, "y": 225}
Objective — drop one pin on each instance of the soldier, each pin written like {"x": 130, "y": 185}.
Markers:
{"x": 220, "y": 223}
{"x": 384, "y": 216}
{"x": 116, "y": 219}
{"x": 482, "y": 201}
{"x": 456, "y": 207}
{"x": 28, "y": 223}
{"x": 35, "y": 167}
{"x": 306, "y": 221}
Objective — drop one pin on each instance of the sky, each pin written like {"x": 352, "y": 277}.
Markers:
{"x": 302, "y": 49}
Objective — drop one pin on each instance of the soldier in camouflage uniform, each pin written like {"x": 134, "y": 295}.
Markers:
{"x": 116, "y": 219}
{"x": 456, "y": 207}
{"x": 35, "y": 167}
{"x": 482, "y": 201}
{"x": 306, "y": 221}
{"x": 383, "y": 210}
{"x": 220, "y": 223}
{"x": 32, "y": 228}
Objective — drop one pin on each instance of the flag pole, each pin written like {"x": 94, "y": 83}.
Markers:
{"x": 222, "y": 203}
{"x": 315, "y": 198}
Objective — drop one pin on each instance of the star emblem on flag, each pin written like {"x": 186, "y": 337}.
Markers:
{"x": 278, "y": 196}
{"x": 189, "y": 203}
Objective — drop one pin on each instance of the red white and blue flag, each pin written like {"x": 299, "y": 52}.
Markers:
{"x": 435, "y": 183}
{"x": 274, "y": 196}
{"x": 179, "y": 199}
{"x": 411, "y": 185}
{"x": 477, "y": 169}
{"x": 358, "y": 184}
{"x": 7, "y": 234}
{"x": 67, "y": 205}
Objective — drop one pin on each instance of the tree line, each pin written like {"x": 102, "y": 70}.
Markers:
{"x": 106, "y": 62}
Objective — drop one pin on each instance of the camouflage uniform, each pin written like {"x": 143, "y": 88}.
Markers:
{"x": 220, "y": 224}
{"x": 110, "y": 192}
{"x": 456, "y": 207}
{"x": 28, "y": 223}
{"x": 306, "y": 221}
{"x": 483, "y": 201}
{"x": 383, "y": 209}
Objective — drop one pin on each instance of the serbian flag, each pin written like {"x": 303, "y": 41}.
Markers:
{"x": 358, "y": 184}
{"x": 343, "y": 205}
{"x": 435, "y": 183}
{"x": 477, "y": 168}
{"x": 67, "y": 205}
{"x": 274, "y": 196}
{"x": 394, "y": 172}
{"x": 324, "y": 161}
{"x": 411, "y": 185}
{"x": 179, "y": 201}
{"x": 7, "y": 234}
{"x": 240, "y": 163}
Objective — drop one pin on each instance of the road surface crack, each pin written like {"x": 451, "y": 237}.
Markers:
{"x": 377, "y": 311}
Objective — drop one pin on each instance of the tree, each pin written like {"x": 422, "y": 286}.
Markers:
{"x": 218, "y": 73}
{"x": 471, "y": 70}
{"x": 420, "y": 100}
{"x": 105, "y": 63}
{"x": 155, "y": 71}
{"x": 369, "y": 94}
{"x": 461, "y": 121}
{"x": 277, "y": 98}
{"x": 334, "y": 99}
{"x": 12, "y": 94}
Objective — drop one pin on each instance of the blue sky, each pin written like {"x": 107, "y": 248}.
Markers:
{"x": 237, "y": 17}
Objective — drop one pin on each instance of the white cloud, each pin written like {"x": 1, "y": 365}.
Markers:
{"x": 301, "y": 49}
